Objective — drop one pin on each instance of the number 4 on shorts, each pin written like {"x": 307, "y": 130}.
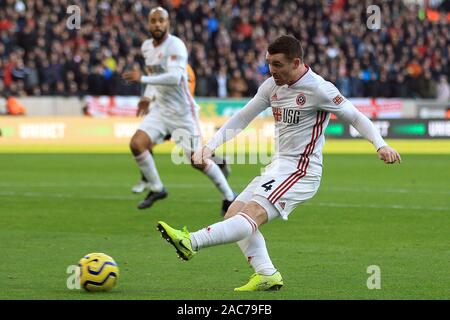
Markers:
{"x": 268, "y": 185}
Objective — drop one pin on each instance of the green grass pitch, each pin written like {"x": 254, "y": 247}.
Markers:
{"x": 55, "y": 208}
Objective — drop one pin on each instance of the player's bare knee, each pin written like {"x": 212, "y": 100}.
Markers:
{"x": 139, "y": 143}
{"x": 234, "y": 209}
{"x": 134, "y": 147}
{"x": 256, "y": 212}
{"x": 137, "y": 147}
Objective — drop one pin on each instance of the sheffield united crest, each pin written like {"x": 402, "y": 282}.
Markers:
{"x": 301, "y": 99}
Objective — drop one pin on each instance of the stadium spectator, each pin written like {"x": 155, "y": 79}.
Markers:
{"x": 343, "y": 83}
{"x": 400, "y": 87}
{"x": 443, "y": 90}
{"x": 383, "y": 86}
{"x": 237, "y": 85}
{"x": 206, "y": 83}
{"x": 225, "y": 36}
{"x": 222, "y": 91}
{"x": 427, "y": 86}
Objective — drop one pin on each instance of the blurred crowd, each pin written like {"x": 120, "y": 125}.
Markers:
{"x": 227, "y": 40}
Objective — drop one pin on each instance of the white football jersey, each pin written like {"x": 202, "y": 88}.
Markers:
{"x": 172, "y": 53}
{"x": 301, "y": 113}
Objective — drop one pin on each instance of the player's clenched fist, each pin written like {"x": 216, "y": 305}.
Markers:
{"x": 389, "y": 155}
{"x": 132, "y": 76}
{"x": 143, "y": 107}
{"x": 201, "y": 155}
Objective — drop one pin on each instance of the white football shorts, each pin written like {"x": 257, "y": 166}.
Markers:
{"x": 185, "y": 130}
{"x": 279, "y": 192}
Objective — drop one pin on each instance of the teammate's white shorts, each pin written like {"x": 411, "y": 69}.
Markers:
{"x": 185, "y": 130}
{"x": 280, "y": 192}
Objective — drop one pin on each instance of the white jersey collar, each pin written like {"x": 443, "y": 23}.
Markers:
{"x": 301, "y": 78}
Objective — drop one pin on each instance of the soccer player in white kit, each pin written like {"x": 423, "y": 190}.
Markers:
{"x": 173, "y": 111}
{"x": 301, "y": 103}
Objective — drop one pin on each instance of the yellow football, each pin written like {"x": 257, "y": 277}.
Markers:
{"x": 98, "y": 272}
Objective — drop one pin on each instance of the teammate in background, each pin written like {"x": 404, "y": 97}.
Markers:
{"x": 143, "y": 108}
{"x": 301, "y": 103}
{"x": 173, "y": 112}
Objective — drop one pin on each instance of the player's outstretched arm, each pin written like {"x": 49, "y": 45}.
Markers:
{"x": 229, "y": 130}
{"x": 132, "y": 76}
{"x": 170, "y": 78}
{"x": 237, "y": 122}
{"x": 365, "y": 127}
{"x": 331, "y": 100}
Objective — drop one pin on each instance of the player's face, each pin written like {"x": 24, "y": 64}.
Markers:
{"x": 158, "y": 25}
{"x": 281, "y": 68}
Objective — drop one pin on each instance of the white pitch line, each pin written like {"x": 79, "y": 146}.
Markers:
{"x": 95, "y": 184}
{"x": 207, "y": 186}
{"x": 385, "y": 190}
{"x": 312, "y": 204}
{"x": 376, "y": 206}
{"x": 64, "y": 196}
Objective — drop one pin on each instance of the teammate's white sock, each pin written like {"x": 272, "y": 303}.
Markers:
{"x": 254, "y": 249}
{"x": 148, "y": 169}
{"x": 233, "y": 229}
{"x": 213, "y": 171}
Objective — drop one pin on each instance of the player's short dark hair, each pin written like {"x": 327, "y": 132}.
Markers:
{"x": 288, "y": 45}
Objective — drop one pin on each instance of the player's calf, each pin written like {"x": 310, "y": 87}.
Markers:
{"x": 255, "y": 211}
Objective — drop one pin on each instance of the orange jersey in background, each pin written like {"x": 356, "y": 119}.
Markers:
{"x": 191, "y": 79}
{"x": 14, "y": 107}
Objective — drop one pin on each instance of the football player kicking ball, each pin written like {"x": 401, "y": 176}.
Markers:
{"x": 173, "y": 112}
{"x": 301, "y": 103}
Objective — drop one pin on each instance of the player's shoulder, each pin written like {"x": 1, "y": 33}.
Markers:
{"x": 147, "y": 45}
{"x": 176, "y": 44}
{"x": 326, "y": 92}
{"x": 175, "y": 39}
{"x": 320, "y": 86}
{"x": 268, "y": 85}
{"x": 312, "y": 80}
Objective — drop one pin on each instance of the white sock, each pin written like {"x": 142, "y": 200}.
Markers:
{"x": 148, "y": 169}
{"x": 255, "y": 250}
{"x": 213, "y": 171}
{"x": 233, "y": 229}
